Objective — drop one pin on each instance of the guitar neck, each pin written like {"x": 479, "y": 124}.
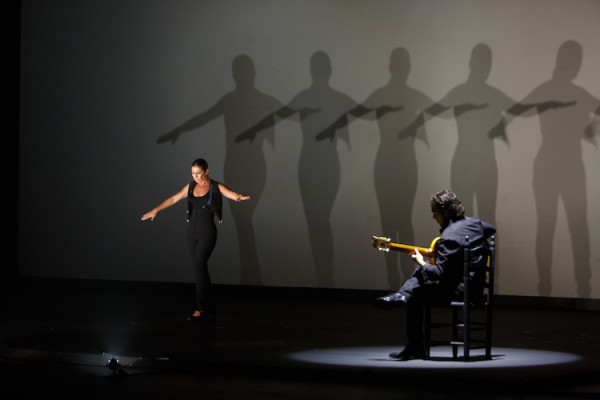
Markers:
{"x": 409, "y": 249}
{"x": 385, "y": 244}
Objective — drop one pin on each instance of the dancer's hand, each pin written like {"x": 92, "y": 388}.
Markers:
{"x": 149, "y": 215}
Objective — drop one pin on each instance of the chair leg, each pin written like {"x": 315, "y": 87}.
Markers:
{"x": 427, "y": 329}
{"x": 466, "y": 332}
{"x": 454, "y": 333}
{"x": 488, "y": 334}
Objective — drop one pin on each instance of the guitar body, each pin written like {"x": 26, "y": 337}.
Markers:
{"x": 385, "y": 244}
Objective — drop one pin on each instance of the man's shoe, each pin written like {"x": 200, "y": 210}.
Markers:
{"x": 410, "y": 352}
{"x": 391, "y": 300}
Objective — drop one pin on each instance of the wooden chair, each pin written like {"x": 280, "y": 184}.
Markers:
{"x": 461, "y": 325}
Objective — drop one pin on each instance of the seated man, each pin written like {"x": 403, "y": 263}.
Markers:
{"x": 444, "y": 278}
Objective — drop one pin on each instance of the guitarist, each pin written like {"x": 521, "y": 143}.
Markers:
{"x": 445, "y": 275}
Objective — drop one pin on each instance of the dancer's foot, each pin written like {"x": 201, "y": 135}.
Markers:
{"x": 201, "y": 315}
{"x": 196, "y": 316}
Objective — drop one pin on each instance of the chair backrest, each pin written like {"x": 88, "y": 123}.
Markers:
{"x": 478, "y": 286}
{"x": 491, "y": 272}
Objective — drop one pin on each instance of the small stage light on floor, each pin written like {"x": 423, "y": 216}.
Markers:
{"x": 115, "y": 368}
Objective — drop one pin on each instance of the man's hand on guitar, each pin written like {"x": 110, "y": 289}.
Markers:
{"x": 418, "y": 258}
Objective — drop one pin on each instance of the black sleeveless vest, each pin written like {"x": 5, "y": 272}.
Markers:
{"x": 215, "y": 200}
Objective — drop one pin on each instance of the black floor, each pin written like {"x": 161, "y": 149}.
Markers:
{"x": 57, "y": 336}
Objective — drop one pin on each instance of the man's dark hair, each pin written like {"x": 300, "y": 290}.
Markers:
{"x": 447, "y": 201}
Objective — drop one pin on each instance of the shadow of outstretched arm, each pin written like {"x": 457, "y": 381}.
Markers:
{"x": 411, "y": 129}
{"x": 193, "y": 123}
{"x": 270, "y": 120}
{"x": 498, "y": 131}
{"x": 357, "y": 112}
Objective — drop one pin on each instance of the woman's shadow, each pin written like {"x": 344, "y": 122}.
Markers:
{"x": 564, "y": 110}
{"x": 394, "y": 106}
{"x": 245, "y": 165}
{"x": 319, "y": 172}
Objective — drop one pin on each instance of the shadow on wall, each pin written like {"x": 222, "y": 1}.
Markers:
{"x": 394, "y": 106}
{"x": 481, "y": 113}
{"x": 476, "y": 107}
{"x": 319, "y": 165}
{"x": 563, "y": 109}
{"x": 316, "y": 108}
{"x": 324, "y": 115}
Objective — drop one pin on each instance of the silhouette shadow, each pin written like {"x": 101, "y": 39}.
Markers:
{"x": 245, "y": 165}
{"x": 476, "y": 106}
{"x": 396, "y": 168}
{"x": 395, "y": 106}
{"x": 563, "y": 109}
{"x": 316, "y": 108}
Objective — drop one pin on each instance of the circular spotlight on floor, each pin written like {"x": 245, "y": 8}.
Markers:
{"x": 508, "y": 360}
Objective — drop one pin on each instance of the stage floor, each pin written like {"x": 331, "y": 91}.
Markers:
{"x": 59, "y": 335}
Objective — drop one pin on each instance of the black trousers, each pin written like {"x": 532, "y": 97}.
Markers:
{"x": 201, "y": 246}
{"x": 418, "y": 293}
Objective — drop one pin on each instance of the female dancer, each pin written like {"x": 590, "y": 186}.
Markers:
{"x": 204, "y": 201}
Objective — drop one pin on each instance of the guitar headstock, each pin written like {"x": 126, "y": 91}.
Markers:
{"x": 381, "y": 243}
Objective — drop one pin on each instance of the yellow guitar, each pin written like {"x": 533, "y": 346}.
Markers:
{"x": 385, "y": 244}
